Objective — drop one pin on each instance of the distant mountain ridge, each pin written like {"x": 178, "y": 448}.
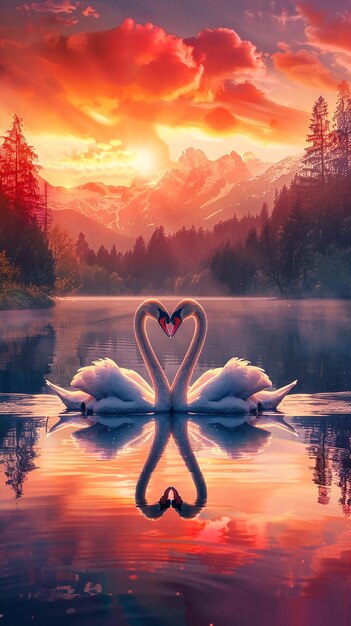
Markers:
{"x": 197, "y": 192}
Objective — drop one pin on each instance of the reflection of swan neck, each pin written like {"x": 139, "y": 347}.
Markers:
{"x": 156, "y": 373}
{"x": 183, "y": 376}
{"x": 181, "y": 437}
{"x": 161, "y": 437}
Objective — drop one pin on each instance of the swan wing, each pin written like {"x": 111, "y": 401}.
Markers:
{"x": 137, "y": 378}
{"x": 105, "y": 379}
{"x": 237, "y": 379}
{"x": 268, "y": 400}
{"x": 204, "y": 378}
{"x": 73, "y": 399}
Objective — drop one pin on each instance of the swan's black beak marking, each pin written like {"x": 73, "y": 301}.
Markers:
{"x": 177, "y": 500}
{"x": 176, "y": 321}
{"x": 165, "y": 502}
{"x": 164, "y": 320}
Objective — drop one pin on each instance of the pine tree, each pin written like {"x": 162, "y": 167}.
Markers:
{"x": 103, "y": 257}
{"x": 160, "y": 264}
{"x": 82, "y": 248}
{"x": 18, "y": 168}
{"x": 280, "y": 210}
{"x": 341, "y": 135}
{"x": 317, "y": 154}
{"x": 138, "y": 259}
{"x": 268, "y": 247}
{"x": 114, "y": 260}
{"x": 294, "y": 251}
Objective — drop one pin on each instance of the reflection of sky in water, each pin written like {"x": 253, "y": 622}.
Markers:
{"x": 273, "y": 522}
{"x": 263, "y": 536}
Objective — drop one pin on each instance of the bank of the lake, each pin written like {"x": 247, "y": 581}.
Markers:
{"x": 25, "y": 298}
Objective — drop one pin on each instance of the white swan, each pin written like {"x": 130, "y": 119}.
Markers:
{"x": 238, "y": 387}
{"x": 104, "y": 387}
{"x": 165, "y": 426}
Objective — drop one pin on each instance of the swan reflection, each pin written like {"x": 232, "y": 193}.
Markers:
{"x": 236, "y": 436}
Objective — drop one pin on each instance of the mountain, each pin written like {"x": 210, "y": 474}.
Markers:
{"x": 95, "y": 233}
{"x": 197, "y": 191}
{"x": 247, "y": 196}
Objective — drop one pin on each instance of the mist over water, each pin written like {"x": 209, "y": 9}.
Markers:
{"x": 263, "y": 532}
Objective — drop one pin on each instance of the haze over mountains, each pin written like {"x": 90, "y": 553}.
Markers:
{"x": 196, "y": 192}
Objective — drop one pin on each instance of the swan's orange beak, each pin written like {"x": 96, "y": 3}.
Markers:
{"x": 163, "y": 323}
{"x": 176, "y": 321}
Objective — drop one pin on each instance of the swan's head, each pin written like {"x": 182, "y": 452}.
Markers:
{"x": 163, "y": 320}
{"x": 185, "y": 308}
{"x": 155, "y": 310}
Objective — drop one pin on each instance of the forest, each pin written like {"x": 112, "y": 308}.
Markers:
{"x": 299, "y": 247}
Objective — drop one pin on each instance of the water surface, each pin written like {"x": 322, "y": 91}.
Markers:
{"x": 263, "y": 535}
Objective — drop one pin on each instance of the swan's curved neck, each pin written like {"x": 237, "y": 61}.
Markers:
{"x": 157, "y": 375}
{"x": 183, "y": 376}
{"x": 181, "y": 437}
{"x": 161, "y": 437}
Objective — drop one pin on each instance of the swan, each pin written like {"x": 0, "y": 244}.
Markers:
{"x": 163, "y": 429}
{"x": 165, "y": 426}
{"x": 104, "y": 387}
{"x": 238, "y": 387}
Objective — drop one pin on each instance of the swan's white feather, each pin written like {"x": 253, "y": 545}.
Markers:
{"x": 104, "y": 379}
{"x": 268, "y": 400}
{"x": 236, "y": 381}
{"x": 204, "y": 378}
{"x": 113, "y": 404}
{"x": 138, "y": 379}
{"x": 72, "y": 399}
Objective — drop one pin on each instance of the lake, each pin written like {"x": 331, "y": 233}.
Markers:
{"x": 263, "y": 533}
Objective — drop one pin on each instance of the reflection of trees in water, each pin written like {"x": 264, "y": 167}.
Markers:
{"x": 329, "y": 442}
{"x": 17, "y": 450}
{"x": 25, "y": 357}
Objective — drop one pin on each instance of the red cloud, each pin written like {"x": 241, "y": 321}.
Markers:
{"x": 132, "y": 60}
{"x": 273, "y": 121}
{"x": 220, "y": 120}
{"x": 328, "y": 31}
{"x": 304, "y": 67}
{"x": 124, "y": 82}
{"x": 222, "y": 52}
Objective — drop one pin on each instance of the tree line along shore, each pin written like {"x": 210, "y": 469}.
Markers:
{"x": 299, "y": 247}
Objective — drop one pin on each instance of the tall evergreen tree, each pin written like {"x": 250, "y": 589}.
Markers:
{"x": 18, "y": 168}
{"x": 280, "y": 209}
{"x": 82, "y": 248}
{"x": 138, "y": 260}
{"x": 294, "y": 251}
{"x": 317, "y": 154}
{"x": 341, "y": 135}
{"x": 160, "y": 263}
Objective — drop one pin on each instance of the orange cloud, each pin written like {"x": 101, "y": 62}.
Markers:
{"x": 132, "y": 60}
{"x": 304, "y": 67}
{"x": 327, "y": 31}
{"x": 220, "y": 120}
{"x": 270, "y": 120}
{"x": 223, "y": 53}
{"x": 125, "y": 83}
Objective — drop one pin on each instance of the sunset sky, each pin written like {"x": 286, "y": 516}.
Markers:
{"x": 114, "y": 90}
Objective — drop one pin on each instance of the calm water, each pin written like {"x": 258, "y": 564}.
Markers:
{"x": 263, "y": 535}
